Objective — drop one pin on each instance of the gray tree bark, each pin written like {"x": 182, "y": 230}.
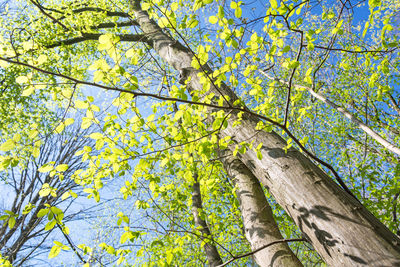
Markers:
{"x": 341, "y": 230}
{"x": 258, "y": 220}
{"x": 213, "y": 257}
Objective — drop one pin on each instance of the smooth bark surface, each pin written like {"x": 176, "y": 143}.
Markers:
{"x": 258, "y": 220}
{"x": 213, "y": 257}
{"x": 342, "y": 231}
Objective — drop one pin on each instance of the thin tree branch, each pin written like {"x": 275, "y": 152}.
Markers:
{"x": 88, "y": 9}
{"x": 231, "y": 108}
{"x": 348, "y": 115}
{"x": 70, "y": 243}
{"x": 352, "y": 51}
{"x": 291, "y": 81}
{"x": 394, "y": 104}
{"x": 95, "y": 36}
{"x": 48, "y": 15}
{"x": 261, "y": 248}
{"x": 106, "y": 25}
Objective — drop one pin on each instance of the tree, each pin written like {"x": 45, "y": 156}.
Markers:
{"x": 273, "y": 58}
{"x": 42, "y": 186}
{"x": 335, "y": 203}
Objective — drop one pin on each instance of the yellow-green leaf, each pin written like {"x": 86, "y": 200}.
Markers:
{"x": 28, "y": 91}
{"x": 96, "y": 136}
{"x": 11, "y": 222}
{"x": 65, "y": 195}
{"x": 81, "y": 104}
{"x": 86, "y": 122}
{"x": 69, "y": 121}
{"x": 238, "y": 12}
{"x": 174, "y": 6}
{"x": 46, "y": 168}
{"x": 274, "y": 3}
{"x": 7, "y": 145}
{"x": 45, "y": 191}
{"x": 62, "y": 167}
{"x": 55, "y": 250}
{"x": 213, "y": 19}
{"x": 42, "y": 212}
{"x": 98, "y": 76}
{"x": 163, "y": 22}
{"x": 50, "y": 225}
{"x": 22, "y": 79}
{"x": 41, "y": 59}
{"x": 59, "y": 128}
{"x": 169, "y": 257}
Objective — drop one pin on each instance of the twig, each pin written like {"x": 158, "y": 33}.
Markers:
{"x": 261, "y": 248}
{"x": 70, "y": 243}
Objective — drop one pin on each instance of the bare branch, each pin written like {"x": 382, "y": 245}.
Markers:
{"x": 261, "y": 248}
{"x": 347, "y": 114}
{"x": 95, "y": 36}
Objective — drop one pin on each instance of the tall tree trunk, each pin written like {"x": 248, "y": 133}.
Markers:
{"x": 342, "y": 231}
{"x": 213, "y": 257}
{"x": 258, "y": 220}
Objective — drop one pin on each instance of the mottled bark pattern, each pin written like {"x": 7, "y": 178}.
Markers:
{"x": 258, "y": 220}
{"x": 213, "y": 257}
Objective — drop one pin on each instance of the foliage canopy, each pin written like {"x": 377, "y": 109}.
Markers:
{"x": 324, "y": 75}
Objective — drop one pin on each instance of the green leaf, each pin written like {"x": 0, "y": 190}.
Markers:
{"x": 65, "y": 195}
{"x": 11, "y": 222}
{"x": 163, "y": 22}
{"x": 259, "y": 155}
{"x": 28, "y": 91}
{"x": 7, "y": 145}
{"x": 45, "y": 191}
{"x": 42, "y": 212}
{"x": 274, "y": 3}
{"x": 192, "y": 23}
{"x": 62, "y": 167}
{"x": 41, "y": 59}
{"x": 238, "y": 12}
{"x": 59, "y": 128}
{"x": 81, "y": 104}
{"x": 169, "y": 257}
{"x": 86, "y": 122}
{"x": 213, "y": 19}
{"x": 28, "y": 208}
{"x": 46, "y": 168}
{"x": 9, "y": 212}
{"x": 50, "y": 225}
{"x": 22, "y": 79}
{"x": 56, "y": 210}
{"x": 55, "y": 250}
